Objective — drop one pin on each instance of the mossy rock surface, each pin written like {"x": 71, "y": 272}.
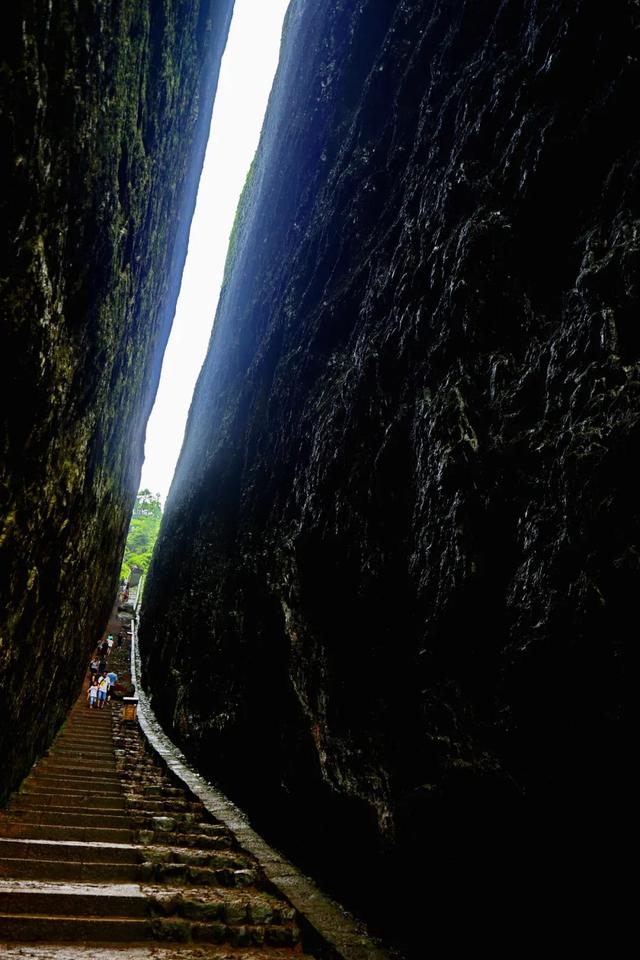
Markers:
{"x": 395, "y": 586}
{"x": 105, "y": 114}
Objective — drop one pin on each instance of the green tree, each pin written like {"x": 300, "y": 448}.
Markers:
{"x": 143, "y": 532}
{"x": 147, "y": 504}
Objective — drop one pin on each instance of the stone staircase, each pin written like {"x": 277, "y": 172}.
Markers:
{"x": 101, "y": 851}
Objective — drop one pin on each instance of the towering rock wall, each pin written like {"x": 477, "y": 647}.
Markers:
{"x": 105, "y": 112}
{"x": 397, "y": 571}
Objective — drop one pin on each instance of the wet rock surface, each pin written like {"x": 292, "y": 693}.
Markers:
{"x": 398, "y": 565}
{"x": 105, "y": 113}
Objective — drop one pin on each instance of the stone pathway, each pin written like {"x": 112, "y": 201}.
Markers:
{"x": 102, "y": 854}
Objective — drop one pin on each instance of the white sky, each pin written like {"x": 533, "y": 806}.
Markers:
{"x": 246, "y": 75}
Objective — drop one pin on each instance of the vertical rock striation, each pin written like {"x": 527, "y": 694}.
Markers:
{"x": 397, "y": 571}
{"x": 105, "y": 113}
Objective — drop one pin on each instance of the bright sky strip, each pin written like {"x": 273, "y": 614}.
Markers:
{"x": 246, "y": 76}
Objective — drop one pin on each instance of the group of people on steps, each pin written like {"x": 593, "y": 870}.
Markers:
{"x": 102, "y": 680}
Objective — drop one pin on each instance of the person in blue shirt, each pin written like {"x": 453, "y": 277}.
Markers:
{"x": 113, "y": 679}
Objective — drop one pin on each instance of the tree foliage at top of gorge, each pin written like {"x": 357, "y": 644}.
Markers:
{"x": 143, "y": 532}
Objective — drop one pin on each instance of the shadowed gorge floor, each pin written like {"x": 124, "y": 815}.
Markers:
{"x": 101, "y": 846}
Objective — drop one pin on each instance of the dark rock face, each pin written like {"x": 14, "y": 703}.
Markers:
{"x": 397, "y": 571}
{"x": 106, "y": 108}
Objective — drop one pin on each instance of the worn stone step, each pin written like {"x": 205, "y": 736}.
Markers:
{"x": 79, "y": 729}
{"x": 36, "y": 805}
{"x": 85, "y": 738}
{"x": 54, "y": 928}
{"x": 141, "y": 762}
{"x": 160, "y": 807}
{"x": 230, "y": 906}
{"x": 161, "y": 790}
{"x": 89, "y": 723}
{"x": 79, "y": 765}
{"x": 75, "y": 780}
{"x": 64, "y": 785}
{"x": 182, "y": 873}
{"x": 78, "y": 771}
{"x": 35, "y": 785}
{"x": 183, "y": 819}
{"x": 202, "y": 841}
{"x": 138, "y": 780}
{"x": 96, "y": 746}
{"x": 21, "y": 869}
{"x": 71, "y": 801}
{"x": 189, "y": 826}
{"x": 50, "y": 929}
{"x": 35, "y": 817}
{"x": 73, "y": 899}
{"x": 147, "y": 951}
{"x": 85, "y": 754}
{"x": 214, "y": 859}
{"x": 101, "y": 744}
{"x": 90, "y": 833}
{"x": 82, "y": 713}
{"x": 239, "y": 936}
{"x": 70, "y": 850}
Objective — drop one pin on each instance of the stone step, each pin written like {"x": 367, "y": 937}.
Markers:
{"x": 99, "y": 789}
{"x": 73, "y": 741}
{"x": 87, "y": 834}
{"x": 85, "y": 716}
{"x": 87, "y": 728}
{"x": 186, "y": 875}
{"x": 36, "y": 805}
{"x": 160, "y": 807}
{"x": 75, "y": 779}
{"x": 202, "y": 841}
{"x": 213, "y": 859}
{"x": 227, "y": 905}
{"x": 71, "y": 800}
{"x": 80, "y": 735}
{"x": 30, "y": 815}
{"x": 182, "y": 819}
{"x": 20, "y": 869}
{"x": 77, "y": 771}
{"x": 70, "y": 850}
{"x": 136, "y": 776}
{"x": 81, "y": 743}
{"x": 79, "y": 785}
{"x": 146, "y": 951}
{"x": 50, "y": 929}
{"x": 79, "y": 726}
{"x": 82, "y": 753}
{"x": 53, "y": 928}
{"x": 73, "y": 899}
{"x": 156, "y": 791}
{"x": 79, "y": 765}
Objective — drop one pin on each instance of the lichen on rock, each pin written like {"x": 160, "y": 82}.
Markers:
{"x": 106, "y": 109}
{"x": 398, "y": 564}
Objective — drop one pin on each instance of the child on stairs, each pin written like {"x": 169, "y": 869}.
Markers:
{"x": 92, "y": 692}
